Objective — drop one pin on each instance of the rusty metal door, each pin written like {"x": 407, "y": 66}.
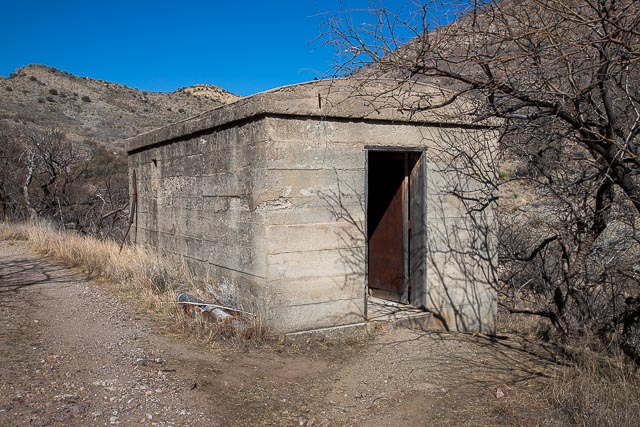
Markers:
{"x": 395, "y": 225}
{"x": 386, "y": 261}
{"x": 417, "y": 237}
{"x": 386, "y": 201}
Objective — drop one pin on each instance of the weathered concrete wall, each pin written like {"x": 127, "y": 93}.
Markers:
{"x": 267, "y": 196}
{"x": 316, "y": 241}
{"x": 314, "y": 227}
{"x": 194, "y": 200}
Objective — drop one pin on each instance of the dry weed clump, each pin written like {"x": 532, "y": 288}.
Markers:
{"x": 241, "y": 333}
{"x": 597, "y": 386}
{"x": 140, "y": 275}
{"x": 527, "y": 326}
{"x": 19, "y": 232}
{"x": 598, "y": 390}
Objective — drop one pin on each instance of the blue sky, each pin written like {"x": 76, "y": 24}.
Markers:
{"x": 242, "y": 46}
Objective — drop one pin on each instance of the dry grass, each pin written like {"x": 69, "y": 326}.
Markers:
{"x": 530, "y": 327}
{"x": 598, "y": 390}
{"x": 140, "y": 275}
{"x": 595, "y": 385}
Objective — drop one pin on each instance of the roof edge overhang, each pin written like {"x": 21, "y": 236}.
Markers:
{"x": 378, "y": 101}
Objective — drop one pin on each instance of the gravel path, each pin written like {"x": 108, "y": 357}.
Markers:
{"x": 73, "y": 354}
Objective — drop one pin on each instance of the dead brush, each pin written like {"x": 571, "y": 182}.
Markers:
{"x": 529, "y": 327}
{"x": 145, "y": 278}
{"x": 597, "y": 390}
{"x": 244, "y": 332}
{"x": 595, "y": 385}
{"x": 17, "y": 232}
{"x": 240, "y": 328}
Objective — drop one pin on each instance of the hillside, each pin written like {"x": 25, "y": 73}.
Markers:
{"x": 86, "y": 109}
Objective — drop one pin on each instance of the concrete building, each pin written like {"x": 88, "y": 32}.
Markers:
{"x": 307, "y": 202}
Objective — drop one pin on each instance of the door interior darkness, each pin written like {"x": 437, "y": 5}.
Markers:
{"x": 395, "y": 225}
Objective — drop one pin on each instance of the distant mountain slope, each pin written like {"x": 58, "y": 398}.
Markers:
{"x": 94, "y": 110}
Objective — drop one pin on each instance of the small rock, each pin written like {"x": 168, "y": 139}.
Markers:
{"x": 77, "y": 409}
{"x": 41, "y": 421}
{"x": 66, "y": 397}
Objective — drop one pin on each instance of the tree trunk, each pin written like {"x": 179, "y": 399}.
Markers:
{"x": 25, "y": 191}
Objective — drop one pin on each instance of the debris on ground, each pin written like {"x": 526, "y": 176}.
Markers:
{"x": 215, "y": 311}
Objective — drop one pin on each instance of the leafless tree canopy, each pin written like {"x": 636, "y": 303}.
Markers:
{"x": 564, "y": 75}
{"x": 45, "y": 175}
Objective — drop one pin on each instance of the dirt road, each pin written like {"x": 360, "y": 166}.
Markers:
{"x": 73, "y": 354}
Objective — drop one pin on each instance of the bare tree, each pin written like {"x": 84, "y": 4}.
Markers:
{"x": 50, "y": 163}
{"x": 564, "y": 75}
{"x": 10, "y": 174}
{"x": 46, "y": 175}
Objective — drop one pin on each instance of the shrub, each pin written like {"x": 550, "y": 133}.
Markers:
{"x": 40, "y": 100}
{"x": 85, "y": 98}
{"x": 50, "y": 99}
{"x": 8, "y": 88}
{"x": 33, "y": 78}
{"x": 53, "y": 91}
{"x": 180, "y": 110}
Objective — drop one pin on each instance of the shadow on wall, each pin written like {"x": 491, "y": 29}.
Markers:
{"x": 347, "y": 205}
{"x": 460, "y": 255}
{"x": 462, "y": 262}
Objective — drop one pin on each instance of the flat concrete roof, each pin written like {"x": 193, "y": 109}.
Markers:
{"x": 376, "y": 100}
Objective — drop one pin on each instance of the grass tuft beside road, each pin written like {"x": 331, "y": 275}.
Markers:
{"x": 593, "y": 384}
{"x": 597, "y": 390}
{"x": 140, "y": 275}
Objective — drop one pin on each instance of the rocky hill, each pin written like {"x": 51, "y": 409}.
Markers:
{"x": 86, "y": 109}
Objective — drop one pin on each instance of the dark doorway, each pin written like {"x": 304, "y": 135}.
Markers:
{"x": 395, "y": 225}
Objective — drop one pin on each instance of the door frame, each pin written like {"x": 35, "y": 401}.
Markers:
{"x": 423, "y": 165}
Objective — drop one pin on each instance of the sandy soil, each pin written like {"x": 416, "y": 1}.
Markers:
{"x": 71, "y": 353}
